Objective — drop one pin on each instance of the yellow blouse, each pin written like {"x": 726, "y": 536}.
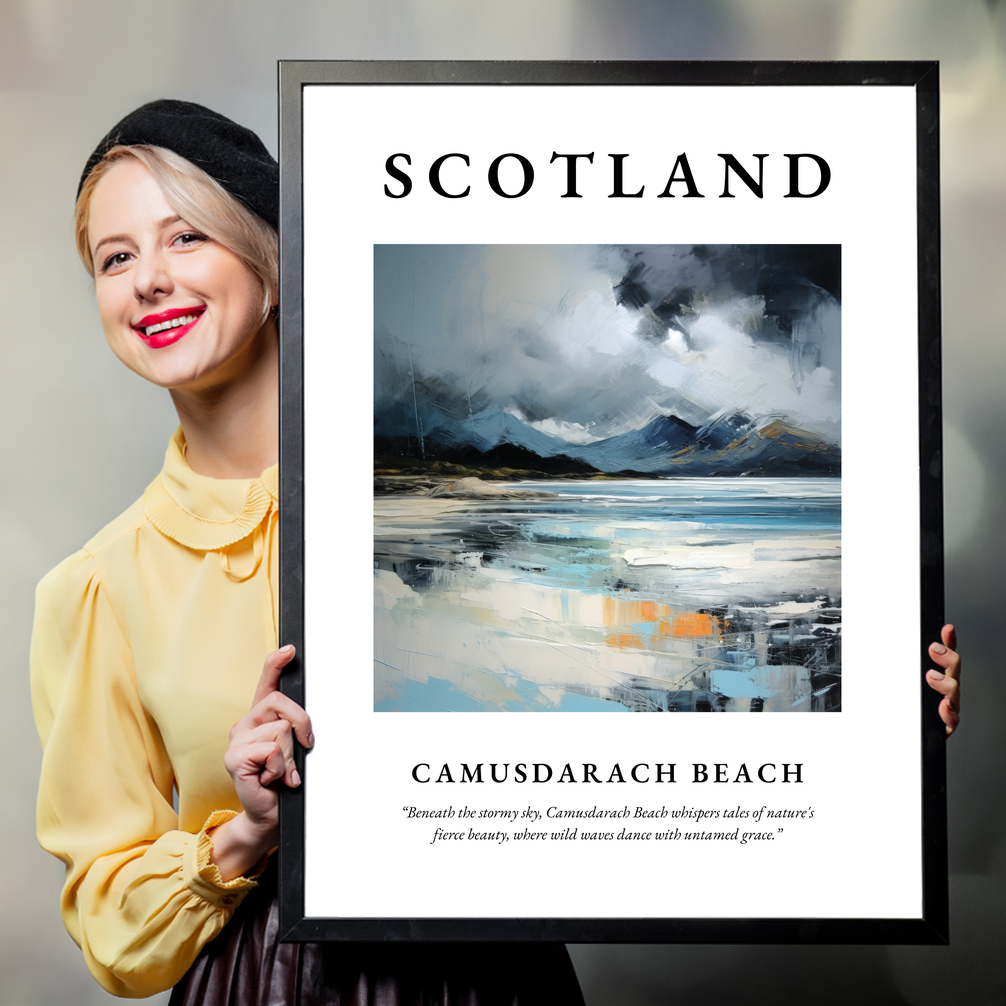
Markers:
{"x": 147, "y": 647}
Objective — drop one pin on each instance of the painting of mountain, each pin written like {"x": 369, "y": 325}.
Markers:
{"x": 607, "y": 478}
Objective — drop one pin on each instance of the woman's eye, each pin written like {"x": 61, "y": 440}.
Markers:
{"x": 114, "y": 261}
{"x": 190, "y": 238}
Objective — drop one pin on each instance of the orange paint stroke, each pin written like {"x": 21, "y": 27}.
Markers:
{"x": 694, "y": 623}
{"x": 625, "y": 641}
{"x": 615, "y": 611}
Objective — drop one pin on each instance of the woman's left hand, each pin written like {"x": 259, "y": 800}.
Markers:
{"x": 948, "y": 681}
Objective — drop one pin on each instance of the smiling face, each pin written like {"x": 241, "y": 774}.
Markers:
{"x": 177, "y": 307}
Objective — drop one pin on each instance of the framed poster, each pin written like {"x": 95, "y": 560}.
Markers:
{"x": 651, "y": 354}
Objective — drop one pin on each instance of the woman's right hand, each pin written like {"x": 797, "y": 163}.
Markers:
{"x": 259, "y": 754}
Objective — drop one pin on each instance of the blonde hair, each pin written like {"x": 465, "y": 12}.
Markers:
{"x": 199, "y": 200}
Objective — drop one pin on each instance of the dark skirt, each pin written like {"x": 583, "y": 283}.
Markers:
{"x": 246, "y": 965}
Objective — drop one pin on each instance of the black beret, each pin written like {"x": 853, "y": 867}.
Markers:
{"x": 230, "y": 154}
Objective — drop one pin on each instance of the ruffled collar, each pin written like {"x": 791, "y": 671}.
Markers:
{"x": 203, "y": 513}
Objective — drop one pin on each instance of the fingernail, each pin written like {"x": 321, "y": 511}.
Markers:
{"x": 936, "y": 675}
{"x": 295, "y": 777}
{"x": 286, "y": 649}
{"x": 310, "y": 740}
{"x": 938, "y": 648}
{"x": 951, "y": 706}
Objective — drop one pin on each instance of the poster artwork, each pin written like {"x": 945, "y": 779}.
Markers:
{"x": 607, "y": 478}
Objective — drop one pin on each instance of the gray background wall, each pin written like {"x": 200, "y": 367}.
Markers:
{"x": 82, "y": 436}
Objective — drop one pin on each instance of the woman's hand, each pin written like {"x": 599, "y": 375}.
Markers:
{"x": 260, "y": 753}
{"x": 948, "y": 681}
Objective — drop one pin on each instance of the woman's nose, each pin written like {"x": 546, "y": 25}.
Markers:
{"x": 152, "y": 277}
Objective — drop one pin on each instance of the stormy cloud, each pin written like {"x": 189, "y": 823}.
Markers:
{"x": 585, "y": 343}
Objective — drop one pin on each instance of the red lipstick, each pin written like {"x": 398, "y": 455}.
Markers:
{"x": 166, "y": 327}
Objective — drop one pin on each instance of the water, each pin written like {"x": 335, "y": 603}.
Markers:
{"x": 689, "y": 594}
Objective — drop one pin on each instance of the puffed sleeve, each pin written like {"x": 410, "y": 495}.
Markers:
{"x": 141, "y": 898}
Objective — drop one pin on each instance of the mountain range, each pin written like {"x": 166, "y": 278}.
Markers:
{"x": 730, "y": 444}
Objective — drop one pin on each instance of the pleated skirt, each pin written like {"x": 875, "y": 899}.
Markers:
{"x": 246, "y": 965}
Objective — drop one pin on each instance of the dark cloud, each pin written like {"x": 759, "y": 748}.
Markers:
{"x": 588, "y": 342}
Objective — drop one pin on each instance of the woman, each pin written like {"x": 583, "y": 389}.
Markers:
{"x": 148, "y": 643}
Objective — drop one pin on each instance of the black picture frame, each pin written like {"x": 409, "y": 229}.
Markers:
{"x": 931, "y": 927}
